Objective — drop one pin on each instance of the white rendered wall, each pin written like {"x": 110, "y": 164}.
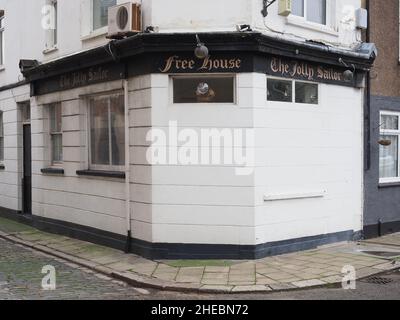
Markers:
{"x": 201, "y": 203}
{"x": 10, "y": 177}
{"x": 299, "y": 149}
{"x": 88, "y": 201}
{"x": 309, "y": 149}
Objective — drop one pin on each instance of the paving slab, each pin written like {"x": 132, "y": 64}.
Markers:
{"x": 216, "y": 288}
{"x": 255, "y": 288}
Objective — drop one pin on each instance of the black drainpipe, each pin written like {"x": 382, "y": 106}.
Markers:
{"x": 367, "y": 111}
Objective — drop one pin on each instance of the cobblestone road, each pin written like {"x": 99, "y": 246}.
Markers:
{"x": 21, "y": 278}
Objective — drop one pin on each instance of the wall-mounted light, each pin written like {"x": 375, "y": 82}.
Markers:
{"x": 348, "y": 75}
{"x": 201, "y": 51}
{"x": 266, "y": 4}
{"x": 151, "y": 29}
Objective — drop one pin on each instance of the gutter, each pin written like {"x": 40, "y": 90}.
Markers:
{"x": 362, "y": 56}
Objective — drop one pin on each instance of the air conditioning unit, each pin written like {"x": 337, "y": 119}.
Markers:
{"x": 285, "y": 7}
{"x": 124, "y": 19}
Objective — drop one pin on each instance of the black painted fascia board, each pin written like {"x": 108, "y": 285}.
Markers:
{"x": 185, "y": 42}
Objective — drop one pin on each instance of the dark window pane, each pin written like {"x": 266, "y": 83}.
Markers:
{"x": 56, "y": 141}
{"x": 55, "y": 118}
{"x": 279, "y": 90}
{"x": 1, "y": 149}
{"x": 306, "y": 93}
{"x": 99, "y": 131}
{"x": 204, "y": 90}
{"x": 118, "y": 130}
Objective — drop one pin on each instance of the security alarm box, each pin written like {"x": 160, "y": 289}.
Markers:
{"x": 285, "y": 7}
{"x": 361, "y": 18}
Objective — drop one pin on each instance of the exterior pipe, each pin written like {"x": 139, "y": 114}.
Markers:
{"x": 380, "y": 228}
{"x": 127, "y": 170}
{"x": 368, "y": 96}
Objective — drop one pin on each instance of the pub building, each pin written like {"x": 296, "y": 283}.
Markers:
{"x": 92, "y": 178}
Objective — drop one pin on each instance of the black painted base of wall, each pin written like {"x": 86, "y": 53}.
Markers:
{"x": 377, "y": 230}
{"x": 176, "y": 250}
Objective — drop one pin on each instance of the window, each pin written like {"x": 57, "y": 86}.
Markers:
{"x": 284, "y": 91}
{"x": 51, "y": 32}
{"x": 203, "y": 89}
{"x": 107, "y": 132}
{"x": 56, "y": 133}
{"x": 100, "y": 12}
{"x": 1, "y": 138}
{"x": 312, "y": 10}
{"x": 306, "y": 92}
{"x": 279, "y": 90}
{"x": 1, "y": 37}
{"x": 389, "y": 147}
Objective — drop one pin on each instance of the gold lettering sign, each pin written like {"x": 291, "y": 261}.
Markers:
{"x": 176, "y": 64}
{"x": 83, "y": 78}
{"x": 304, "y": 70}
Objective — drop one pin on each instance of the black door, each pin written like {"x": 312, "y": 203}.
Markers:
{"x": 27, "y": 175}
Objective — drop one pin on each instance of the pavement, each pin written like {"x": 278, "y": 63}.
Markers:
{"x": 320, "y": 267}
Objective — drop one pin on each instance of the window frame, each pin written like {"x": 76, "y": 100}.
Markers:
{"x": 98, "y": 167}
{"x": 100, "y": 30}
{"x": 329, "y": 27}
{"x": 51, "y": 43}
{"x": 294, "y": 81}
{"x": 390, "y": 132}
{"x": 233, "y": 76}
{"x": 55, "y": 133}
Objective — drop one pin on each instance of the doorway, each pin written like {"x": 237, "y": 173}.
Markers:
{"x": 27, "y": 159}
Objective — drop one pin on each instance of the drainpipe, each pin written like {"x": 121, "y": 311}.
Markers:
{"x": 368, "y": 96}
{"x": 127, "y": 170}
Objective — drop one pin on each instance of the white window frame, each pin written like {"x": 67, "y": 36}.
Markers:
{"x": 2, "y": 18}
{"x": 203, "y": 75}
{"x": 294, "y": 91}
{"x": 2, "y": 135}
{"x": 103, "y": 29}
{"x": 388, "y": 132}
{"x": 52, "y": 34}
{"x": 97, "y": 167}
{"x": 55, "y": 133}
{"x": 329, "y": 27}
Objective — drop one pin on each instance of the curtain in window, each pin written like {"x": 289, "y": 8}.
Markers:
{"x": 316, "y": 11}
{"x": 388, "y": 158}
{"x": 107, "y": 130}
{"x": 298, "y": 8}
